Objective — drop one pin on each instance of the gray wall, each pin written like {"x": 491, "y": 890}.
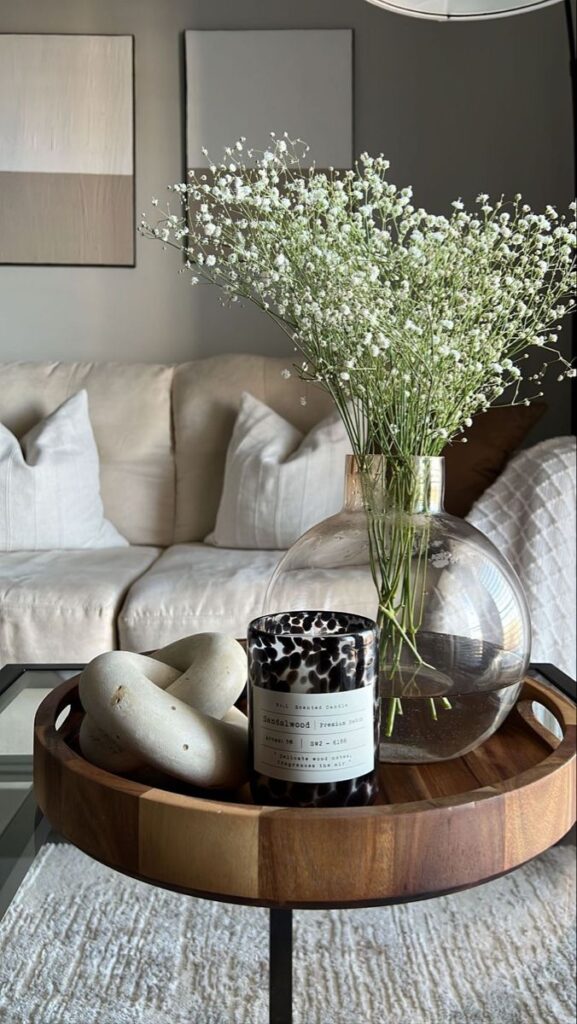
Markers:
{"x": 458, "y": 109}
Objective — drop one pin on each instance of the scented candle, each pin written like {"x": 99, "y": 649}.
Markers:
{"x": 313, "y": 709}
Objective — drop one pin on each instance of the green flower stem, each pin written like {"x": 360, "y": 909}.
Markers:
{"x": 393, "y": 708}
{"x": 390, "y": 615}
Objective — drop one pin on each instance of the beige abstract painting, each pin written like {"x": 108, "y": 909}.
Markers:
{"x": 66, "y": 150}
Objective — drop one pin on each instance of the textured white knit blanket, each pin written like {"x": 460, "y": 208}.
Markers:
{"x": 82, "y": 944}
{"x": 529, "y": 513}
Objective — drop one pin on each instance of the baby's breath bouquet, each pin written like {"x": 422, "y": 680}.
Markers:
{"x": 413, "y": 322}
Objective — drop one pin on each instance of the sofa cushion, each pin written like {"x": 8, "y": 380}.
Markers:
{"x": 131, "y": 418}
{"x": 206, "y": 400}
{"x": 471, "y": 468}
{"x": 62, "y": 606}
{"x": 195, "y": 588}
{"x": 278, "y": 483}
{"x": 50, "y": 485}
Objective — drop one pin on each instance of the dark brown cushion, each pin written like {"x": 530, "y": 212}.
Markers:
{"x": 471, "y": 468}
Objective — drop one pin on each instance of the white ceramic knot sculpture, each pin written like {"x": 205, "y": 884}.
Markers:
{"x": 173, "y": 711}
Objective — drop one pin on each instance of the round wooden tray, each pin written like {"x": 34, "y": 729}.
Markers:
{"x": 439, "y": 827}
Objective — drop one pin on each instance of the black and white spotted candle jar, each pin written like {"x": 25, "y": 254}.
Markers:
{"x": 313, "y": 709}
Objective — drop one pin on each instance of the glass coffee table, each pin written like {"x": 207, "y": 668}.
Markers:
{"x": 37, "y": 866}
{"x": 22, "y": 828}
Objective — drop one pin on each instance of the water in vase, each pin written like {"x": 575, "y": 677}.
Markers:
{"x": 446, "y": 710}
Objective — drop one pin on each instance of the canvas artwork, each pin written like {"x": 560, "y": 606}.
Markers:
{"x": 253, "y": 82}
{"x": 66, "y": 150}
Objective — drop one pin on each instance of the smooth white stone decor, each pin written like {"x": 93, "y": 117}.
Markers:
{"x": 202, "y": 659}
{"x": 98, "y": 747}
{"x": 173, "y": 711}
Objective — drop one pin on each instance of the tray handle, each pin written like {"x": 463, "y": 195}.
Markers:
{"x": 556, "y": 703}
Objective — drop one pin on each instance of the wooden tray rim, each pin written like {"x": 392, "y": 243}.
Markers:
{"x": 561, "y": 757}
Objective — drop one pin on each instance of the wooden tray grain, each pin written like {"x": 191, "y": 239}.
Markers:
{"x": 438, "y": 828}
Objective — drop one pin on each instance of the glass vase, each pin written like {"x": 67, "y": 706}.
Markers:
{"x": 454, "y": 625}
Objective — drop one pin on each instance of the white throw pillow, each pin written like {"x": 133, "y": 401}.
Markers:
{"x": 278, "y": 483}
{"x": 50, "y": 485}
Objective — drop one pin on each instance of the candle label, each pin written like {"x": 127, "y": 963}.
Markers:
{"x": 313, "y": 737}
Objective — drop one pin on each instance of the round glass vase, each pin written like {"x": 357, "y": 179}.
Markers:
{"x": 455, "y": 633}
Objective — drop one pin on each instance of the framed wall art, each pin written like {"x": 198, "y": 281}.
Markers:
{"x": 67, "y": 150}
{"x": 249, "y": 83}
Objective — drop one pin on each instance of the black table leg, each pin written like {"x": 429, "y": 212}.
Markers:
{"x": 281, "y": 967}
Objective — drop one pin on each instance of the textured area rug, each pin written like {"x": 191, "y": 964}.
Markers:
{"x": 82, "y": 944}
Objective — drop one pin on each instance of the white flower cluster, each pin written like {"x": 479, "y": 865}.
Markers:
{"x": 414, "y": 322}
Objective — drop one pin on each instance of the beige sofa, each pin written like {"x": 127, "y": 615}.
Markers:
{"x": 162, "y": 434}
